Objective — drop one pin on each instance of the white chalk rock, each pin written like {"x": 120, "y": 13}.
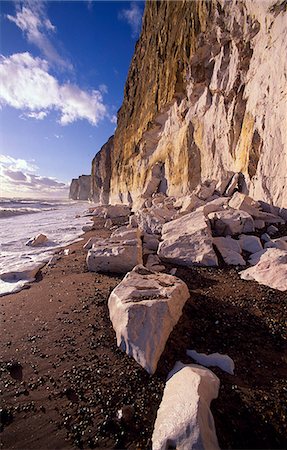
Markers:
{"x": 126, "y": 233}
{"x": 184, "y": 420}
{"x": 270, "y": 270}
{"x": 259, "y": 224}
{"x": 224, "y": 362}
{"x": 190, "y": 203}
{"x": 37, "y": 240}
{"x": 271, "y": 230}
{"x": 206, "y": 189}
{"x": 245, "y": 203}
{"x": 230, "y": 250}
{"x": 151, "y": 241}
{"x": 280, "y": 243}
{"x": 231, "y": 222}
{"x": 154, "y": 263}
{"x": 217, "y": 204}
{"x": 144, "y": 308}
{"x": 90, "y": 242}
{"x": 255, "y": 257}
{"x": 86, "y": 228}
{"x": 251, "y": 244}
{"x": 111, "y": 211}
{"x": 270, "y": 218}
{"x": 151, "y": 220}
{"x": 265, "y": 237}
{"x": 112, "y": 255}
{"x": 187, "y": 241}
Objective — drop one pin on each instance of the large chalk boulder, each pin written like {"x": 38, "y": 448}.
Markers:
{"x": 151, "y": 220}
{"x": 187, "y": 241}
{"x": 114, "y": 255}
{"x": 189, "y": 203}
{"x": 247, "y": 204}
{"x": 270, "y": 270}
{"x": 216, "y": 204}
{"x": 184, "y": 420}
{"x": 143, "y": 309}
{"x": 111, "y": 211}
{"x": 126, "y": 233}
{"x": 280, "y": 243}
{"x": 230, "y": 250}
{"x": 154, "y": 263}
{"x": 251, "y": 244}
{"x": 231, "y": 222}
{"x": 151, "y": 241}
{"x": 40, "y": 239}
{"x": 205, "y": 190}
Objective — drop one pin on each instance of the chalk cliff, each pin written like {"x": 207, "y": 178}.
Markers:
{"x": 101, "y": 173}
{"x": 205, "y": 97}
{"x": 80, "y": 188}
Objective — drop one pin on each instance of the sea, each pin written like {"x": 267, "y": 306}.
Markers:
{"x": 22, "y": 219}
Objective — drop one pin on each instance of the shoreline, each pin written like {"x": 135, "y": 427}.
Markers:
{"x": 73, "y": 378}
{"x": 19, "y": 274}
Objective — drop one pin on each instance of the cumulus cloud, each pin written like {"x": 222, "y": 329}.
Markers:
{"x": 21, "y": 183}
{"x": 133, "y": 16}
{"x": 28, "y": 85}
{"x": 16, "y": 164}
{"x": 31, "y": 17}
{"x": 36, "y": 115}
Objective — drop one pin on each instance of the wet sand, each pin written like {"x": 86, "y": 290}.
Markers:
{"x": 63, "y": 379}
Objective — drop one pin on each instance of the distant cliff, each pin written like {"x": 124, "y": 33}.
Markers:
{"x": 101, "y": 173}
{"x": 80, "y": 188}
{"x": 205, "y": 97}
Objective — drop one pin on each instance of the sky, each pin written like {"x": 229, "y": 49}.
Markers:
{"x": 63, "y": 66}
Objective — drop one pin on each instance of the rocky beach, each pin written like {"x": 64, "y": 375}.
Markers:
{"x": 66, "y": 384}
{"x": 164, "y": 327}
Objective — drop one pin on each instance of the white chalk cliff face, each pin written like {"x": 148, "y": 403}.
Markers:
{"x": 80, "y": 188}
{"x": 205, "y": 97}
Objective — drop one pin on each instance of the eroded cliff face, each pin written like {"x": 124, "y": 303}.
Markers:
{"x": 80, "y": 188}
{"x": 101, "y": 173}
{"x": 205, "y": 97}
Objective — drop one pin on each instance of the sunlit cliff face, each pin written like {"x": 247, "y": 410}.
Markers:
{"x": 204, "y": 100}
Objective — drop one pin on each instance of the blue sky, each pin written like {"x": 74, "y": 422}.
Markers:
{"x": 63, "y": 67}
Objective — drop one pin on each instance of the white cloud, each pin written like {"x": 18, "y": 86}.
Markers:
{"x": 17, "y": 164}
{"x": 27, "y": 85}
{"x": 133, "y": 16}
{"x": 31, "y": 18}
{"x": 17, "y": 180}
{"x": 103, "y": 88}
{"x": 37, "y": 115}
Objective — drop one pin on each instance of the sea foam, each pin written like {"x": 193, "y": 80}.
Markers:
{"x": 61, "y": 222}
